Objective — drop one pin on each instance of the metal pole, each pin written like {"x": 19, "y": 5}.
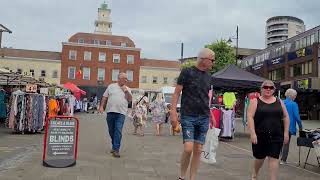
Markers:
{"x": 181, "y": 51}
{"x": 237, "y": 45}
{"x": 0, "y": 38}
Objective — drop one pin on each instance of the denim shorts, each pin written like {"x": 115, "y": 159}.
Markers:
{"x": 194, "y": 128}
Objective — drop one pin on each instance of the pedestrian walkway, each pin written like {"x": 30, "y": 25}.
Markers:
{"x": 146, "y": 158}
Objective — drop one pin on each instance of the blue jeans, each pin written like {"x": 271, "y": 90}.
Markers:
{"x": 194, "y": 128}
{"x": 115, "y": 123}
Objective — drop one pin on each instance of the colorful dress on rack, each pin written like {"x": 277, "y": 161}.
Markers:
{"x": 53, "y": 108}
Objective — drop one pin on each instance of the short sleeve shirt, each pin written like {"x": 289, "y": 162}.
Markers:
{"x": 116, "y": 99}
{"x": 196, "y": 86}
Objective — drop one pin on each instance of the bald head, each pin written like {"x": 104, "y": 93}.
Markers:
{"x": 122, "y": 75}
{"x": 205, "y": 53}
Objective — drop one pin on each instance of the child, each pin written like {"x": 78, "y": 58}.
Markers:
{"x": 139, "y": 114}
{"x": 178, "y": 128}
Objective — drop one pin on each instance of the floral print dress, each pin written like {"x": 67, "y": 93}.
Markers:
{"x": 158, "y": 111}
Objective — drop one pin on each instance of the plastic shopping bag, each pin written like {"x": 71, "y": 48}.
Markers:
{"x": 208, "y": 154}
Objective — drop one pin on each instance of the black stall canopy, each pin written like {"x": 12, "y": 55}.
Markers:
{"x": 232, "y": 77}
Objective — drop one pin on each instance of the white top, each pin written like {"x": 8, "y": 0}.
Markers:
{"x": 116, "y": 99}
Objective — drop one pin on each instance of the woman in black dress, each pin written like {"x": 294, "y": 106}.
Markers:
{"x": 268, "y": 122}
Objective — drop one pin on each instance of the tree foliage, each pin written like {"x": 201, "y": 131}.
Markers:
{"x": 189, "y": 63}
{"x": 224, "y": 54}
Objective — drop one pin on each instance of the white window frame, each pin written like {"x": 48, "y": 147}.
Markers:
{"x": 32, "y": 72}
{"x": 144, "y": 79}
{"x": 100, "y": 56}
{"x": 87, "y": 55}
{"x": 115, "y": 73}
{"x": 100, "y": 70}
{"x": 84, "y": 75}
{"x": 154, "y": 80}
{"x": 165, "y": 80}
{"x": 130, "y": 75}
{"x": 74, "y": 74}
{"x": 108, "y": 43}
{"x": 130, "y": 59}
{"x": 72, "y": 54}
{"x": 123, "y": 44}
{"x": 116, "y": 56}
{"x": 53, "y": 74}
{"x": 45, "y": 73}
{"x": 81, "y": 41}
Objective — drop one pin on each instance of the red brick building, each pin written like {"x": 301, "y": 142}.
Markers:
{"x": 100, "y": 57}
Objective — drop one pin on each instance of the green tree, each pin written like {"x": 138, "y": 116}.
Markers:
{"x": 224, "y": 54}
{"x": 188, "y": 63}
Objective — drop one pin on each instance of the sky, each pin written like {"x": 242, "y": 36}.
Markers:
{"x": 158, "y": 27}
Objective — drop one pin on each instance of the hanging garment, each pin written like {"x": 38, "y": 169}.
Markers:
{"x": 3, "y": 104}
{"x": 229, "y": 99}
{"x": 228, "y": 123}
{"x": 53, "y": 108}
{"x": 216, "y": 114}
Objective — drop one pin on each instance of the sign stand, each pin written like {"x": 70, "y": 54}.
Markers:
{"x": 61, "y": 142}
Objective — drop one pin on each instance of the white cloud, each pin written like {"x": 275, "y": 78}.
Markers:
{"x": 157, "y": 27}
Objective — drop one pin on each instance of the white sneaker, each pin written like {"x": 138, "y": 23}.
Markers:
{"x": 283, "y": 162}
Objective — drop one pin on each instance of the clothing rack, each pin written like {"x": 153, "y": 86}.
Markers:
{"x": 27, "y": 112}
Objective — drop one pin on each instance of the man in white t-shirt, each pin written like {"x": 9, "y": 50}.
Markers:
{"x": 116, "y": 97}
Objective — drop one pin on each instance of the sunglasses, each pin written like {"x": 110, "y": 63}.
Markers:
{"x": 268, "y": 87}
{"x": 212, "y": 60}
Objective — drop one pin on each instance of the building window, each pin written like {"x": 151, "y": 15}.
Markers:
{"x": 71, "y": 72}
{"x": 81, "y": 41}
{"x": 144, "y": 79}
{"x": 308, "y": 41}
{"x": 301, "y": 69}
{"x": 310, "y": 67}
{"x": 72, "y": 55}
{"x": 165, "y": 80}
{"x": 32, "y": 72}
{"x": 130, "y": 59}
{"x": 116, "y": 58}
{"x": 130, "y": 75}
{"x": 87, "y": 56}
{"x": 277, "y": 74}
{"x": 102, "y": 42}
{"x": 155, "y": 80}
{"x": 86, "y": 73}
{"x": 95, "y": 41}
{"x": 19, "y": 71}
{"x": 312, "y": 39}
{"x": 115, "y": 73}
{"x": 123, "y": 44}
{"x": 43, "y": 73}
{"x": 101, "y": 74}
{"x": 108, "y": 42}
{"x": 102, "y": 56}
{"x": 55, "y": 74}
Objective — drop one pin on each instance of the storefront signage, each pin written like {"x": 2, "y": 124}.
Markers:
{"x": 60, "y": 142}
{"x": 300, "y": 53}
{"x": 303, "y": 84}
{"x": 31, "y": 88}
{"x": 44, "y": 91}
{"x": 278, "y": 60}
{"x": 257, "y": 66}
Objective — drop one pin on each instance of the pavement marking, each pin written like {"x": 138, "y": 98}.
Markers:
{"x": 248, "y": 151}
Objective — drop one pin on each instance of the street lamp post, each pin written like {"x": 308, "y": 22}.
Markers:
{"x": 237, "y": 43}
{"x": 3, "y": 29}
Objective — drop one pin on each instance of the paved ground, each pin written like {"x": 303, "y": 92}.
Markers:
{"x": 143, "y": 158}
